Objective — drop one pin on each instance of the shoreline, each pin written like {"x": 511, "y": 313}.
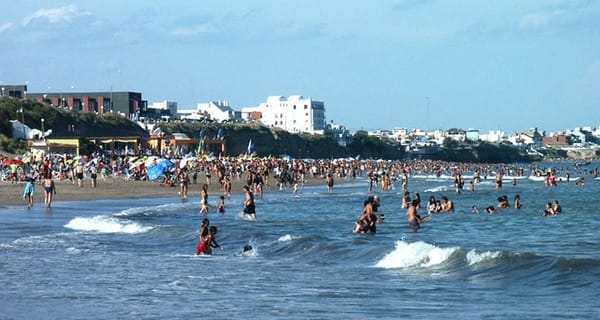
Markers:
{"x": 11, "y": 194}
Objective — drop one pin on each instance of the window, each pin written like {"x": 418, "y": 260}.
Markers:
{"x": 305, "y": 107}
{"x": 294, "y": 107}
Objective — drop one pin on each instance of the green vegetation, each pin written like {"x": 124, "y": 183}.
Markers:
{"x": 268, "y": 141}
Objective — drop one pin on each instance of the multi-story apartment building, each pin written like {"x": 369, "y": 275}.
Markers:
{"x": 293, "y": 114}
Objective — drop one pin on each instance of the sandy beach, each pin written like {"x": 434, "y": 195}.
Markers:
{"x": 117, "y": 188}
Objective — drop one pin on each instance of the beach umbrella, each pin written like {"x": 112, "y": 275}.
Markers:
{"x": 185, "y": 161}
{"x": 137, "y": 161}
{"x": 150, "y": 161}
{"x": 18, "y": 162}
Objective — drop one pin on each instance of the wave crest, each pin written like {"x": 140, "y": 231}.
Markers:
{"x": 416, "y": 254}
{"x": 105, "y": 224}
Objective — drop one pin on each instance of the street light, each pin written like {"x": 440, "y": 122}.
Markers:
{"x": 42, "y": 128}
{"x": 22, "y": 120}
{"x": 2, "y": 92}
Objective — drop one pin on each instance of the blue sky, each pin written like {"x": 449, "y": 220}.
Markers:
{"x": 428, "y": 64}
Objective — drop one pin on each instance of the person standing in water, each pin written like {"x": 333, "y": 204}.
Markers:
{"x": 330, "y": 183}
{"x": 204, "y": 199}
{"x": 221, "y": 205}
{"x": 49, "y": 190}
{"x": 211, "y": 241}
{"x": 28, "y": 192}
{"x": 201, "y": 247}
{"x": 184, "y": 182}
{"x": 414, "y": 220}
{"x": 249, "y": 205}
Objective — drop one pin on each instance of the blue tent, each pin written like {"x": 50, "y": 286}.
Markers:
{"x": 159, "y": 169}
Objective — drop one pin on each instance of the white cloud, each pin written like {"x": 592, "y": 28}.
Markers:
{"x": 195, "y": 30}
{"x": 55, "y": 15}
{"x": 539, "y": 19}
{"x": 5, "y": 26}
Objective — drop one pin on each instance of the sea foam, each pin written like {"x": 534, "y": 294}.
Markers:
{"x": 106, "y": 224}
{"x": 416, "y": 254}
{"x": 474, "y": 257}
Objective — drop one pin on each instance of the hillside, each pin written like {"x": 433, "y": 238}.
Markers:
{"x": 268, "y": 141}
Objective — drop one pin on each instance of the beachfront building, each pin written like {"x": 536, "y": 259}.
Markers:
{"x": 126, "y": 103}
{"x": 339, "y": 132}
{"x": 18, "y": 91}
{"x": 218, "y": 110}
{"x": 493, "y": 136}
{"x": 456, "y": 134}
{"x": 164, "y": 110}
{"x": 294, "y": 114}
{"x": 400, "y": 134}
{"x": 527, "y": 138}
{"x": 472, "y": 135}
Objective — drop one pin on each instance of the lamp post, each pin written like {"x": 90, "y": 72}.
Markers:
{"x": 43, "y": 129}
{"x": 22, "y": 120}
{"x": 2, "y": 92}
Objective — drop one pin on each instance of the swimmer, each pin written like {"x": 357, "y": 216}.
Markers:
{"x": 556, "y": 208}
{"x": 517, "y": 204}
{"x": 221, "y": 205}
{"x": 414, "y": 220}
{"x": 447, "y": 205}
{"x": 406, "y": 200}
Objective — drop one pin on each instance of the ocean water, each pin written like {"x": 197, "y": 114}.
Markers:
{"x": 134, "y": 259}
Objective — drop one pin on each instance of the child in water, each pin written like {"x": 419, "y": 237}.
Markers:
{"x": 221, "y": 205}
{"x": 28, "y": 192}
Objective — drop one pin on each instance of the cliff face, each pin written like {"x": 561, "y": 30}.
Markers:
{"x": 267, "y": 141}
{"x": 65, "y": 123}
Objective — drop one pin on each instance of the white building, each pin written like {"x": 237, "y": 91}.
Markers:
{"x": 293, "y": 114}
{"x": 163, "y": 108}
{"x": 493, "y": 136}
{"x": 218, "y": 110}
{"x": 472, "y": 135}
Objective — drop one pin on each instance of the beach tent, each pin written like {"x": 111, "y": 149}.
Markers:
{"x": 159, "y": 169}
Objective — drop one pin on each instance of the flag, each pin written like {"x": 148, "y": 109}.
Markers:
{"x": 251, "y": 147}
{"x": 220, "y": 134}
{"x": 156, "y": 131}
{"x": 200, "y": 147}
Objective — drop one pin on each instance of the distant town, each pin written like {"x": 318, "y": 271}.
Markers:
{"x": 299, "y": 114}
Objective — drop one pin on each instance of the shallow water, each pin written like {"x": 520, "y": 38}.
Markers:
{"x": 134, "y": 258}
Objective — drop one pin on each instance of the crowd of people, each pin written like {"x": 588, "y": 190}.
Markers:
{"x": 264, "y": 173}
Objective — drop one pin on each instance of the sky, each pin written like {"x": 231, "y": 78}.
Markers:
{"x": 431, "y": 64}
